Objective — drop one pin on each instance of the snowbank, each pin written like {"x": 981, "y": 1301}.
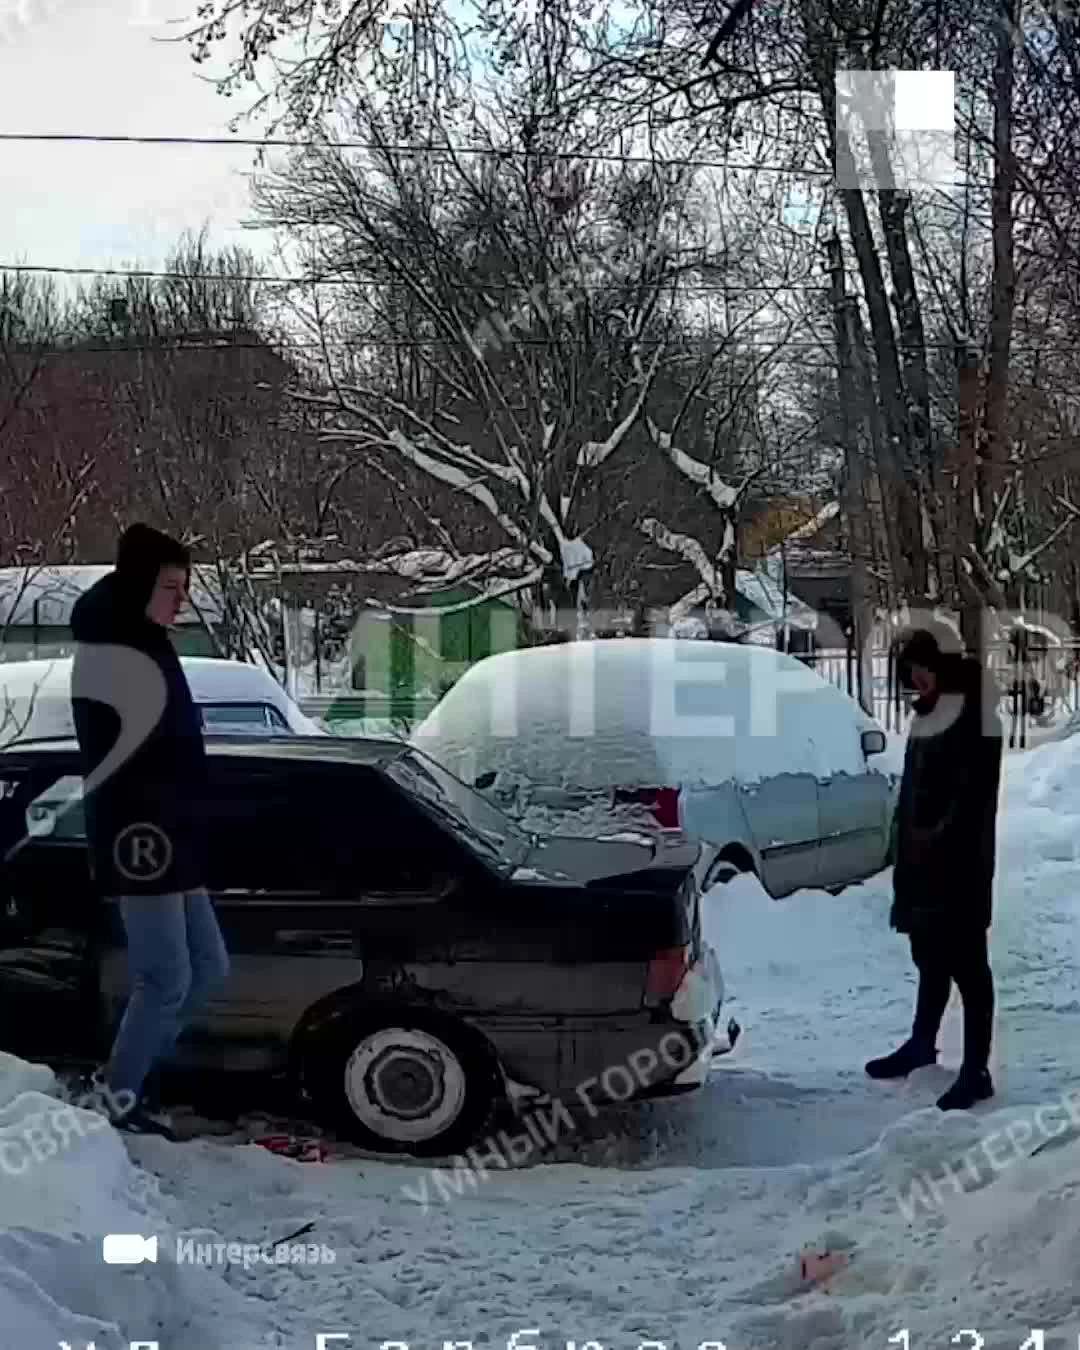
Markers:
{"x": 683, "y": 1255}
{"x": 66, "y": 1180}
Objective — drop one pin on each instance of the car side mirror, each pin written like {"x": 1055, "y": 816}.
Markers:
{"x": 485, "y": 781}
{"x": 874, "y": 742}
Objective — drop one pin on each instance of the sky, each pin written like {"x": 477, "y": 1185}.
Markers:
{"x": 100, "y": 67}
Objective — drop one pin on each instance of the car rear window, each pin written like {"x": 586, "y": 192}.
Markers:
{"x": 254, "y": 717}
{"x": 492, "y": 836}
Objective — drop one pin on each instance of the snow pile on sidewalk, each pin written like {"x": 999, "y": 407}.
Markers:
{"x": 937, "y": 1239}
{"x": 66, "y": 1180}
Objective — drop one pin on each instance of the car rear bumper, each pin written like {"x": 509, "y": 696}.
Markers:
{"x": 592, "y": 1061}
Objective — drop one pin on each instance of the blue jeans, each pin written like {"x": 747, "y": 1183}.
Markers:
{"x": 176, "y": 958}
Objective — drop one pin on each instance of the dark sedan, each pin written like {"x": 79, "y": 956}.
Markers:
{"x": 400, "y": 948}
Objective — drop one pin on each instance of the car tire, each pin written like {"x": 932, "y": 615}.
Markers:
{"x": 723, "y": 871}
{"x": 402, "y": 1082}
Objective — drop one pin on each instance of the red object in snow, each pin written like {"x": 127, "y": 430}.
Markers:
{"x": 818, "y": 1267}
{"x": 290, "y": 1146}
{"x": 661, "y": 802}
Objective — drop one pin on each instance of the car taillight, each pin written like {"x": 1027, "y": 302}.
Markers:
{"x": 662, "y": 803}
{"x": 666, "y": 972}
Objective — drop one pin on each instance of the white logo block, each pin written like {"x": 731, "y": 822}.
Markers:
{"x": 895, "y": 129}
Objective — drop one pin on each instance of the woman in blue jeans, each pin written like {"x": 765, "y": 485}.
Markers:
{"x": 144, "y": 768}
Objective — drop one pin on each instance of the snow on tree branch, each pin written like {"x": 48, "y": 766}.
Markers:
{"x": 810, "y": 528}
{"x": 702, "y": 475}
{"x": 458, "y": 476}
{"x": 594, "y": 453}
{"x": 687, "y": 548}
{"x": 500, "y": 588}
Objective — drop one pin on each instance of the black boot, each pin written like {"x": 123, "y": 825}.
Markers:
{"x": 971, "y": 1087}
{"x": 900, "y": 1063}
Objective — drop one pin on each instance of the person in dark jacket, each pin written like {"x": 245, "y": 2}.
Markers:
{"x": 144, "y": 768}
{"x": 945, "y": 854}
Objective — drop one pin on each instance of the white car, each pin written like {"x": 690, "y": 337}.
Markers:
{"x": 35, "y": 699}
{"x": 742, "y": 747}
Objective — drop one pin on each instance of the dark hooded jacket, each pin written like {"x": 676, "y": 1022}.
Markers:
{"x": 139, "y": 730}
{"x": 947, "y": 812}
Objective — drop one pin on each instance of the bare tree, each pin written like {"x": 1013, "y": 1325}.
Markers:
{"x": 500, "y": 327}
{"x": 45, "y": 482}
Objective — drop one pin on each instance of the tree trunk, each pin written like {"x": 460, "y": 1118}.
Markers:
{"x": 853, "y": 426}
{"x": 993, "y": 451}
{"x": 894, "y": 207}
{"x": 884, "y": 536}
{"x": 965, "y": 525}
{"x": 901, "y": 470}
{"x": 900, "y": 474}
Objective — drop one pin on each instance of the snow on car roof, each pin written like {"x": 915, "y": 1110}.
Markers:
{"x": 643, "y": 712}
{"x": 46, "y": 685}
{"x": 212, "y": 676}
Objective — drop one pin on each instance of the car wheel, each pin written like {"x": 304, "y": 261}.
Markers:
{"x": 404, "y": 1084}
{"x": 721, "y": 874}
{"x": 725, "y": 869}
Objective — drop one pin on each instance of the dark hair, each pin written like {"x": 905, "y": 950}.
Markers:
{"x": 934, "y": 646}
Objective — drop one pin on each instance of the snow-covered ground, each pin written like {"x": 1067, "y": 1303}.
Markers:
{"x": 679, "y": 1223}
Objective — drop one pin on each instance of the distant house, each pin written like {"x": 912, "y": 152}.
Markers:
{"x": 36, "y": 605}
{"x": 800, "y": 543}
{"x": 764, "y": 612}
{"x": 413, "y": 621}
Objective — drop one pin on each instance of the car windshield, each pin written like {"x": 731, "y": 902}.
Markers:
{"x": 493, "y": 837}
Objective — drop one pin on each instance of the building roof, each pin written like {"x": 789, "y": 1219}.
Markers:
{"x": 55, "y": 589}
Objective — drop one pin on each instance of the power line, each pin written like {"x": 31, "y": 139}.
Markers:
{"x": 450, "y": 151}
{"x": 45, "y": 353}
{"x": 147, "y": 274}
{"x": 445, "y": 151}
{"x": 224, "y": 346}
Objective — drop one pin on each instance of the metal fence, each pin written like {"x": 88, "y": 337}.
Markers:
{"x": 1041, "y": 692}
{"x": 1037, "y": 693}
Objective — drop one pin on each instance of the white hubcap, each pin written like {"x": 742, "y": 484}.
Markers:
{"x": 404, "y": 1085}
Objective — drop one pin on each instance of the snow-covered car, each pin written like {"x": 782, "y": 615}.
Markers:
{"x": 406, "y": 955}
{"x": 740, "y": 746}
{"x": 233, "y": 696}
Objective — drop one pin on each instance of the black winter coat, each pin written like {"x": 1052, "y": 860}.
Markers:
{"x": 947, "y": 813}
{"x": 145, "y": 789}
